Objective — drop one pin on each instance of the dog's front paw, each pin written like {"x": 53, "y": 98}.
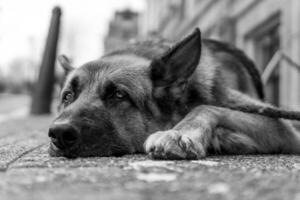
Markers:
{"x": 173, "y": 145}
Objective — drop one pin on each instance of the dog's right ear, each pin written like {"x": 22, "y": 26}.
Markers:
{"x": 65, "y": 63}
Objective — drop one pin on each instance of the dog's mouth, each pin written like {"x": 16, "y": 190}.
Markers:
{"x": 80, "y": 151}
{"x": 56, "y": 152}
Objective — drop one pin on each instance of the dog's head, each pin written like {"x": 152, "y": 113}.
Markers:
{"x": 110, "y": 106}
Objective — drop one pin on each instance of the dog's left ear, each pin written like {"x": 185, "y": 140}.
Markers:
{"x": 179, "y": 63}
{"x": 65, "y": 63}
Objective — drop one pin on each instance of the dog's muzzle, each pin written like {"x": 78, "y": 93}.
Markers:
{"x": 64, "y": 136}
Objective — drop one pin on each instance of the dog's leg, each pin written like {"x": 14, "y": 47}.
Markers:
{"x": 220, "y": 130}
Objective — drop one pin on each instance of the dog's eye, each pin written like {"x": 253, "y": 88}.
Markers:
{"x": 67, "y": 97}
{"x": 118, "y": 94}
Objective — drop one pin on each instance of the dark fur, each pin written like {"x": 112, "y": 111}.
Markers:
{"x": 171, "y": 98}
{"x": 232, "y": 56}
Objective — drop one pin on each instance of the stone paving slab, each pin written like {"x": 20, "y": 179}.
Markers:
{"x": 19, "y": 137}
{"x": 12, "y": 152}
{"x": 29, "y": 173}
{"x": 132, "y": 177}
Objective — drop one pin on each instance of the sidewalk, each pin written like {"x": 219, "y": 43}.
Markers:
{"x": 10, "y": 102}
{"x": 27, "y": 172}
{"x": 13, "y": 106}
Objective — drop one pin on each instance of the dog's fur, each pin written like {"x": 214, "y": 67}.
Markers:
{"x": 172, "y": 103}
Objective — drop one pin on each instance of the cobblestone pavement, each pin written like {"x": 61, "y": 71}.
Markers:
{"x": 27, "y": 172}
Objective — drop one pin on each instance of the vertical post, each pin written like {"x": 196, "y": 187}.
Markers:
{"x": 42, "y": 96}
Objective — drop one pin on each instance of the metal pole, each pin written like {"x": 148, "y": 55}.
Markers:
{"x": 42, "y": 96}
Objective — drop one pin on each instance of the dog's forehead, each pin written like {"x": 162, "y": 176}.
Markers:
{"x": 111, "y": 64}
{"x": 115, "y": 67}
{"x": 126, "y": 61}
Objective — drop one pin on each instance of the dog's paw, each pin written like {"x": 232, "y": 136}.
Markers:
{"x": 173, "y": 145}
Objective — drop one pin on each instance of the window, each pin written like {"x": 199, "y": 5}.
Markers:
{"x": 266, "y": 46}
{"x": 266, "y": 42}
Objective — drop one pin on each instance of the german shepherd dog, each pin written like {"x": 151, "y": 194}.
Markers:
{"x": 169, "y": 101}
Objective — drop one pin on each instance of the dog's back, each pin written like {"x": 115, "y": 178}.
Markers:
{"x": 238, "y": 71}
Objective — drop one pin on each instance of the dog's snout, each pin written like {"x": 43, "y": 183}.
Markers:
{"x": 63, "y": 136}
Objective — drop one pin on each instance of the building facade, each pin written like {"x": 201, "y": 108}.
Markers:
{"x": 123, "y": 27}
{"x": 267, "y": 30}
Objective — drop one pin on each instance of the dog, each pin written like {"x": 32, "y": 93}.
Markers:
{"x": 170, "y": 101}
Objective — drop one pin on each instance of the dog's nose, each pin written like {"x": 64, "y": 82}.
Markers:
{"x": 63, "y": 136}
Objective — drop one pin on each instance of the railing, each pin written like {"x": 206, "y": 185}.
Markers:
{"x": 271, "y": 67}
{"x": 274, "y": 63}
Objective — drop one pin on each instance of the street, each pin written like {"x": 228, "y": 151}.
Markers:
{"x": 27, "y": 172}
{"x": 13, "y": 106}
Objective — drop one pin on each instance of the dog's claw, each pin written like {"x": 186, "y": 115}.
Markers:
{"x": 173, "y": 145}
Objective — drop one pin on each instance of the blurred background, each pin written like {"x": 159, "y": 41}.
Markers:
{"x": 33, "y": 32}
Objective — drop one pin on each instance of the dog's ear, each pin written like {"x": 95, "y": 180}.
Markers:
{"x": 65, "y": 63}
{"x": 179, "y": 63}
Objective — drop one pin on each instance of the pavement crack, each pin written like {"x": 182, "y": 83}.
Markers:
{"x": 20, "y": 156}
